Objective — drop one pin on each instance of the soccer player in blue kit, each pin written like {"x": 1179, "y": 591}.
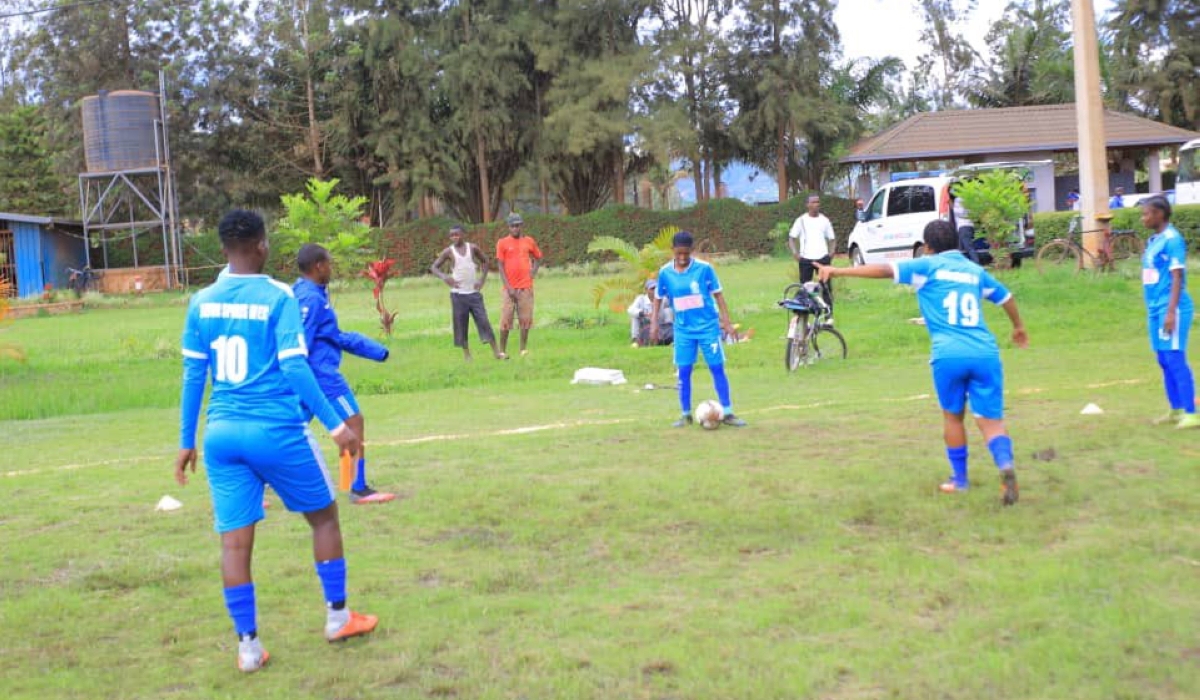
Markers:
{"x": 965, "y": 357}
{"x": 701, "y": 317}
{"x": 1169, "y": 307}
{"x": 245, "y": 330}
{"x": 326, "y": 342}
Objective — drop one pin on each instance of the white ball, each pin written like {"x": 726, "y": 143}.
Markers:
{"x": 708, "y": 414}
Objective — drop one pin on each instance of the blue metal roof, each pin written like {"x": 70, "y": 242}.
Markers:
{"x": 40, "y": 220}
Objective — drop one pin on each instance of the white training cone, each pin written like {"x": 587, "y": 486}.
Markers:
{"x": 1091, "y": 410}
{"x": 167, "y": 503}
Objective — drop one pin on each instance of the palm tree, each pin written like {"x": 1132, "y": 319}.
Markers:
{"x": 640, "y": 265}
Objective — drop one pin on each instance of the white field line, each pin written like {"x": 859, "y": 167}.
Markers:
{"x": 524, "y": 430}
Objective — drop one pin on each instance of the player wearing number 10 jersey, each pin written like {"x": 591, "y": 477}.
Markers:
{"x": 245, "y": 331}
{"x": 965, "y": 357}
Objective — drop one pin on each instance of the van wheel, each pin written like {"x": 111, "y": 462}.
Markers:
{"x": 856, "y": 257}
{"x": 918, "y": 250}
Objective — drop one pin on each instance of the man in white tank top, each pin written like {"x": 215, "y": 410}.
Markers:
{"x": 468, "y": 273}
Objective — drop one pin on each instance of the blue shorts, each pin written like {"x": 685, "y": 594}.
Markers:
{"x": 1175, "y": 341}
{"x": 344, "y": 405}
{"x": 977, "y": 379}
{"x": 240, "y": 457}
{"x": 687, "y": 347}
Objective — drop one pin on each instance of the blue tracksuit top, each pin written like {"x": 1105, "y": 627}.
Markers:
{"x": 326, "y": 341}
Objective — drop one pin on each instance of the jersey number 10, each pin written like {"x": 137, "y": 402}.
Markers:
{"x": 231, "y": 358}
{"x": 962, "y": 309}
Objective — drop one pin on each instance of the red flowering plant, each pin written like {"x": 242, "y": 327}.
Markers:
{"x": 380, "y": 272}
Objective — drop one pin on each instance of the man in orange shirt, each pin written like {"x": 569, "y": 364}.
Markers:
{"x": 519, "y": 259}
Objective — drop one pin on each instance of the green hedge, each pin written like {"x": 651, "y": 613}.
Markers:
{"x": 1185, "y": 217}
{"x": 725, "y": 225}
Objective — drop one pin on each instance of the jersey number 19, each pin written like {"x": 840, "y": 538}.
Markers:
{"x": 962, "y": 309}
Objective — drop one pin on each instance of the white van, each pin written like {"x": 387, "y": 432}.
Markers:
{"x": 893, "y": 224}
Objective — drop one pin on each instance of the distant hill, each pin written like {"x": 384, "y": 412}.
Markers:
{"x": 744, "y": 182}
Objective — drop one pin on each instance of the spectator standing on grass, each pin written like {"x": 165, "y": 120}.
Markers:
{"x": 518, "y": 258}
{"x": 468, "y": 274}
{"x": 810, "y": 240}
{"x": 966, "y": 230}
{"x": 1169, "y": 310}
{"x": 1073, "y": 200}
{"x": 1117, "y": 201}
{"x": 860, "y": 210}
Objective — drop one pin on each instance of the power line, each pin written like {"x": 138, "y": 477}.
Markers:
{"x": 69, "y": 6}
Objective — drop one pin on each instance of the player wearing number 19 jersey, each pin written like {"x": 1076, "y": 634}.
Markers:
{"x": 245, "y": 332}
{"x": 965, "y": 357}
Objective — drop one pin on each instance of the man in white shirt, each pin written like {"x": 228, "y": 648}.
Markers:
{"x": 810, "y": 242}
{"x": 966, "y": 230}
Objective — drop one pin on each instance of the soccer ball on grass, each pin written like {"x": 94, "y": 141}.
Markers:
{"x": 709, "y": 414}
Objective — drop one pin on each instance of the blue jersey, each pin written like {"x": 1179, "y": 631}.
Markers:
{"x": 326, "y": 341}
{"x": 690, "y": 294}
{"x": 1165, "y": 252}
{"x": 950, "y": 290}
{"x": 243, "y": 326}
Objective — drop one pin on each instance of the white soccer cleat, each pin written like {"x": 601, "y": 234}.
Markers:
{"x": 251, "y": 655}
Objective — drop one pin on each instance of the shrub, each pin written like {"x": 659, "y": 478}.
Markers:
{"x": 724, "y": 225}
{"x": 1186, "y": 217}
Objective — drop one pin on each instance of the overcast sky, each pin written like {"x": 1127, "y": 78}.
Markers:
{"x": 878, "y": 28}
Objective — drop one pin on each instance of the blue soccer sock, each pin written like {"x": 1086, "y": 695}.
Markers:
{"x": 1002, "y": 451}
{"x": 685, "y": 389}
{"x": 1178, "y": 379}
{"x": 239, "y": 600}
{"x": 333, "y": 580}
{"x": 721, "y": 383}
{"x": 958, "y": 465}
{"x": 360, "y": 478}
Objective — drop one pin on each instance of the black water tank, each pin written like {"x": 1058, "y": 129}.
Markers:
{"x": 118, "y": 130}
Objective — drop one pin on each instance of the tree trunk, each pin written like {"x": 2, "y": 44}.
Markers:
{"x": 313, "y": 131}
{"x": 545, "y": 194}
{"x": 715, "y": 169}
{"x": 619, "y": 177}
{"x": 781, "y": 179}
{"x": 485, "y": 190}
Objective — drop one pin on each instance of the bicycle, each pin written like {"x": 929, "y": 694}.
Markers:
{"x": 1121, "y": 245}
{"x": 810, "y": 337}
{"x": 81, "y": 281}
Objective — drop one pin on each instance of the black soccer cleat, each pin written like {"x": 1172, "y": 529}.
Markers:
{"x": 1009, "y": 494}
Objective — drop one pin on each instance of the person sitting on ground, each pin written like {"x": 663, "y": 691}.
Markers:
{"x": 640, "y": 312}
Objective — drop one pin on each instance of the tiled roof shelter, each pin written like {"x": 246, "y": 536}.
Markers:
{"x": 983, "y": 135}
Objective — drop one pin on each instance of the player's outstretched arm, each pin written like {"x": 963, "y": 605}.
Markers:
{"x": 1019, "y": 336}
{"x": 882, "y": 272}
{"x": 362, "y": 346}
{"x": 723, "y": 313}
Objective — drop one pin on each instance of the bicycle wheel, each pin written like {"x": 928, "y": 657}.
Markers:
{"x": 828, "y": 344}
{"x": 796, "y": 351}
{"x": 1127, "y": 245}
{"x": 1056, "y": 254}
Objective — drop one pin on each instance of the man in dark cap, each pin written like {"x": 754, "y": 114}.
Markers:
{"x": 519, "y": 258}
{"x": 701, "y": 318}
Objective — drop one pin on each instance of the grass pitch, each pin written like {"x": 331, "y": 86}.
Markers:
{"x": 558, "y": 541}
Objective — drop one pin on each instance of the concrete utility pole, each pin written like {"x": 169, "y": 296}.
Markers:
{"x": 1089, "y": 120}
